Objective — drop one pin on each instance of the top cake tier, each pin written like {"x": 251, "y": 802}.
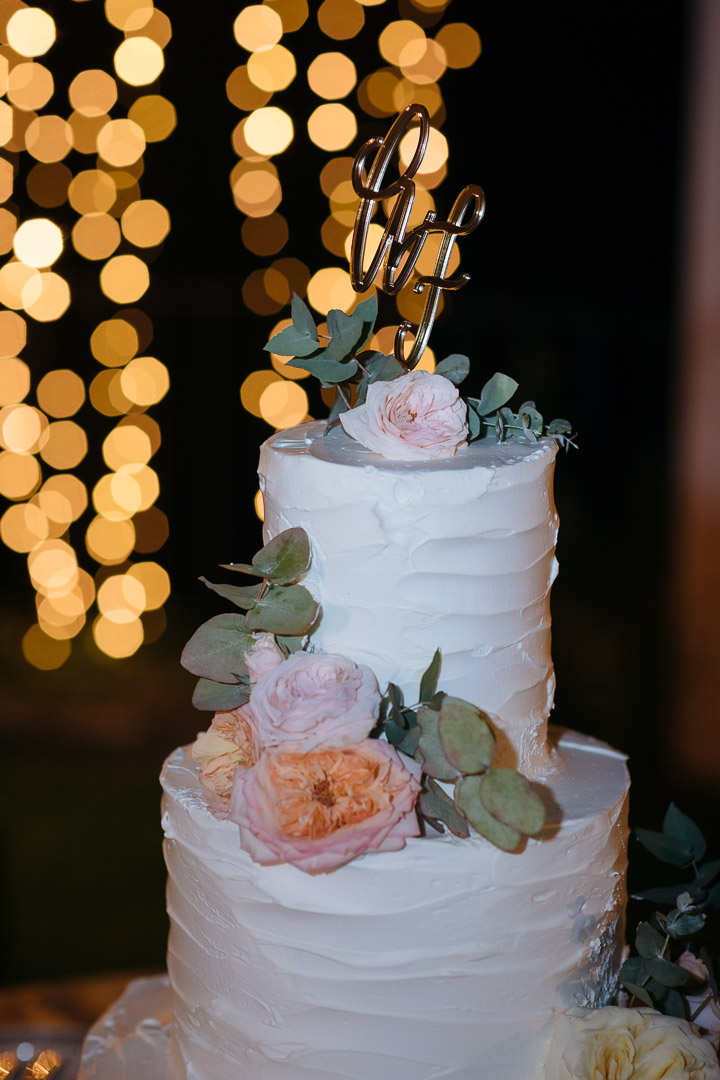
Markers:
{"x": 408, "y": 557}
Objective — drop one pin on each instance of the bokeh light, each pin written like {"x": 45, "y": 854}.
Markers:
{"x": 109, "y": 542}
{"x": 139, "y": 61}
{"x": 124, "y": 279}
{"x": 155, "y": 115}
{"x": 29, "y": 86}
{"x": 340, "y": 19}
{"x": 331, "y": 288}
{"x": 257, "y": 27}
{"x": 283, "y": 404}
{"x": 96, "y": 236}
{"x": 332, "y": 75}
{"x": 14, "y": 380}
{"x": 43, "y": 652}
{"x": 46, "y": 297}
{"x": 145, "y": 381}
{"x": 60, "y": 392}
{"x": 114, "y": 342}
{"x": 461, "y": 44}
{"x": 30, "y": 31}
{"x": 273, "y": 69}
{"x": 128, "y": 15}
{"x": 332, "y": 126}
{"x": 145, "y": 223}
{"x": 20, "y": 475}
{"x": 48, "y": 184}
{"x": 93, "y": 92}
{"x": 269, "y": 130}
{"x": 66, "y": 445}
{"x": 49, "y": 138}
{"x": 92, "y": 191}
{"x": 121, "y": 142}
{"x": 38, "y": 242}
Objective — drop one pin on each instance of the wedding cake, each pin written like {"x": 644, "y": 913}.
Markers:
{"x": 447, "y": 956}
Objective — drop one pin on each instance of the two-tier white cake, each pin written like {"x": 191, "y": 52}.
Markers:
{"x": 447, "y": 958}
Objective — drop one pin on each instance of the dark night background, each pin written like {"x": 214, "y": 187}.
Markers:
{"x": 573, "y": 122}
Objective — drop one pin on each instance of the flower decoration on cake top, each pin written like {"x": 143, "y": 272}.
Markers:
{"x": 311, "y": 760}
{"x": 383, "y": 401}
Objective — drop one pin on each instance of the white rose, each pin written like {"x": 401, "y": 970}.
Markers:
{"x": 613, "y": 1043}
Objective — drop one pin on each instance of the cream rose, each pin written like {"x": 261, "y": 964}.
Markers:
{"x": 416, "y": 417}
{"x": 228, "y": 745}
{"x": 313, "y": 700}
{"x": 627, "y": 1044}
{"x": 263, "y": 656}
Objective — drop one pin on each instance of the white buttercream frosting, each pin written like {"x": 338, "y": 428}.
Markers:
{"x": 408, "y": 557}
{"x": 441, "y": 960}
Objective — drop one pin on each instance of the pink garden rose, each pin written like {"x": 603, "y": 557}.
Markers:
{"x": 263, "y": 656}
{"x": 229, "y": 744}
{"x": 416, "y": 417}
{"x": 313, "y": 700}
{"x": 321, "y": 809}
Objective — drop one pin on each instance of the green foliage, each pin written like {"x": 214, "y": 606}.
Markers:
{"x": 454, "y": 742}
{"x": 456, "y": 368}
{"x": 653, "y": 976}
{"x": 489, "y": 416}
{"x": 277, "y": 605}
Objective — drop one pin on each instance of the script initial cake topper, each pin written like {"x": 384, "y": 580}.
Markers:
{"x": 399, "y": 250}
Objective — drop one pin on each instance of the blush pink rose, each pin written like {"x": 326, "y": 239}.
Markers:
{"x": 416, "y": 417}
{"x": 216, "y": 777}
{"x": 263, "y": 656}
{"x": 313, "y": 700}
{"x": 321, "y": 809}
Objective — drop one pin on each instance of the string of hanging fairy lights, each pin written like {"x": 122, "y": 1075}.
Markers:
{"x": 80, "y": 156}
{"x": 409, "y": 57}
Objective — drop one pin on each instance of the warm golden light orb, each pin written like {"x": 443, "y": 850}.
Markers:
{"x": 332, "y": 75}
{"x": 332, "y": 126}
{"x": 29, "y": 86}
{"x": 124, "y": 279}
{"x": 139, "y": 61}
{"x": 269, "y": 130}
{"x": 121, "y": 142}
{"x": 257, "y": 27}
{"x": 93, "y": 92}
{"x": 272, "y": 69}
{"x": 30, "y": 31}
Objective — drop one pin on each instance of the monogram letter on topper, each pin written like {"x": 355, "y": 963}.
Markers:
{"x": 400, "y": 250}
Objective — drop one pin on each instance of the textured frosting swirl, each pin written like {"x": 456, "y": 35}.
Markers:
{"x": 407, "y": 556}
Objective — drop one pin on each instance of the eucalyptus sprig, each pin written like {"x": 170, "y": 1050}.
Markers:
{"x": 276, "y": 605}
{"x": 454, "y": 742}
{"x": 343, "y": 361}
{"x": 653, "y": 976}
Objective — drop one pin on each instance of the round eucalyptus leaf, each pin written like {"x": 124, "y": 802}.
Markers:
{"x": 219, "y": 697}
{"x": 288, "y": 610}
{"x": 470, "y": 804}
{"x": 509, "y": 797}
{"x": 429, "y": 751}
{"x": 217, "y": 648}
{"x": 465, "y": 736}
{"x": 285, "y": 558}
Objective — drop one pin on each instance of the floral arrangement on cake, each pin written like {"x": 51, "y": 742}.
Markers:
{"x": 667, "y": 1024}
{"x": 312, "y": 762}
{"x": 401, "y": 414}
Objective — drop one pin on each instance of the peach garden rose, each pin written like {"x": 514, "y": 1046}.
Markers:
{"x": 613, "y": 1043}
{"x": 315, "y": 699}
{"x": 229, "y": 744}
{"x": 416, "y": 417}
{"x": 320, "y": 810}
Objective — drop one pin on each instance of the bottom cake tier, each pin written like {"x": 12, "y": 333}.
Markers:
{"x": 445, "y": 959}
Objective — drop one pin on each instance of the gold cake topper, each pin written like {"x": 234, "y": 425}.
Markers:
{"x": 399, "y": 250}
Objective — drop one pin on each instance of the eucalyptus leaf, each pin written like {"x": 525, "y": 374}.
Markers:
{"x": 366, "y": 311}
{"x": 302, "y": 316}
{"x": 648, "y": 941}
{"x": 428, "y": 682}
{"x": 712, "y": 901}
{"x": 496, "y": 391}
{"x": 340, "y": 405}
{"x": 667, "y": 973}
{"x": 290, "y": 643}
{"x": 345, "y": 332}
{"x": 675, "y": 1004}
{"x": 396, "y": 696}
{"x": 470, "y": 804}
{"x": 559, "y": 427}
{"x": 707, "y": 872}
{"x": 710, "y": 965}
{"x": 240, "y": 567}
{"x": 682, "y": 828}
{"x": 219, "y": 697}
{"x": 326, "y": 369}
{"x": 455, "y": 367}
{"x": 243, "y": 596}
{"x": 475, "y": 424}
{"x": 684, "y": 924}
{"x": 288, "y": 610}
{"x": 661, "y": 894}
{"x": 528, "y": 415}
{"x": 437, "y": 804}
{"x": 466, "y": 738}
{"x": 217, "y": 648}
{"x": 409, "y": 742}
{"x": 639, "y": 992}
{"x": 668, "y": 849}
{"x": 633, "y": 969}
{"x": 394, "y": 733}
{"x": 509, "y": 797}
{"x": 286, "y": 558}
{"x": 430, "y": 751}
